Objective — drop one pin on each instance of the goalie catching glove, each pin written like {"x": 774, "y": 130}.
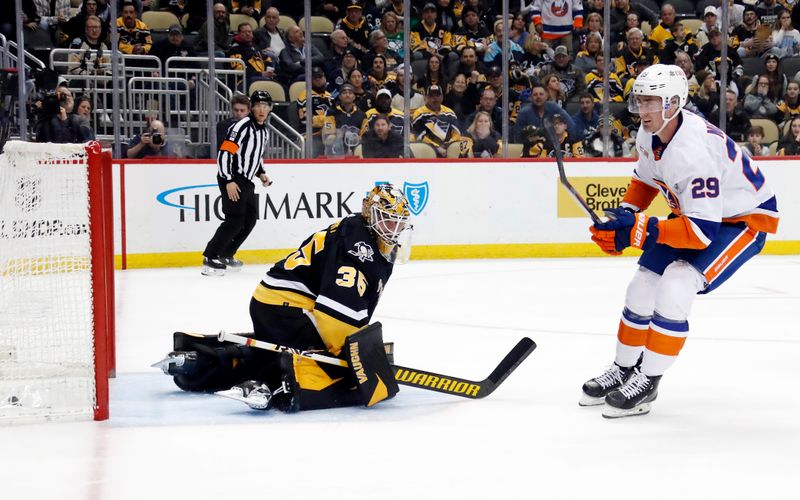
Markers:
{"x": 625, "y": 229}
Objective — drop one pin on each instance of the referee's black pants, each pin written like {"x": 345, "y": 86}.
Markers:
{"x": 240, "y": 219}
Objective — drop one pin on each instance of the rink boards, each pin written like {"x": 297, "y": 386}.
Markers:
{"x": 166, "y": 210}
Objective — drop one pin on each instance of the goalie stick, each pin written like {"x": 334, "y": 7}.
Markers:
{"x": 548, "y": 127}
{"x": 412, "y": 377}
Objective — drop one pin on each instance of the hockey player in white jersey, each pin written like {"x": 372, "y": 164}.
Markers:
{"x": 722, "y": 208}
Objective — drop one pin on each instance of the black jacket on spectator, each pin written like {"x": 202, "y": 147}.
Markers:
{"x": 292, "y": 61}
{"x": 263, "y": 40}
{"x": 374, "y": 147}
{"x": 163, "y": 50}
{"x": 788, "y": 147}
{"x": 68, "y": 131}
{"x": 463, "y": 105}
{"x": 737, "y": 124}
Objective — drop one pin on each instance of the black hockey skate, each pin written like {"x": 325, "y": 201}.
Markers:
{"x": 596, "y": 389}
{"x": 633, "y": 398}
{"x": 257, "y": 395}
{"x": 234, "y": 264}
{"x": 213, "y": 267}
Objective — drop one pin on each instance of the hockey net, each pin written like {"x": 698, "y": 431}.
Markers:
{"x": 56, "y": 282}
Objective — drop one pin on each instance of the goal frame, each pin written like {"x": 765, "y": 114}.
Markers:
{"x": 97, "y": 166}
{"x": 101, "y": 234}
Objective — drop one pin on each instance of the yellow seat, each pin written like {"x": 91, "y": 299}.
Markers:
{"x": 422, "y": 150}
{"x": 275, "y": 89}
{"x": 237, "y": 19}
{"x": 514, "y": 150}
{"x": 454, "y": 149}
{"x": 771, "y": 133}
{"x": 285, "y": 22}
{"x": 773, "y": 148}
{"x": 295, "y": 90}
{"x": 691, "y": 25}
{"x": 319, "y": 24}
{"x": 159, "y": 20}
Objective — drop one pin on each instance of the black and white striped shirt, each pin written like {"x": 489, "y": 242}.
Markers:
{"x": 241, "y": 153}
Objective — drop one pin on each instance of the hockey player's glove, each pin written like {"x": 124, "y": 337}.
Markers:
{"x": 625, "y": 229}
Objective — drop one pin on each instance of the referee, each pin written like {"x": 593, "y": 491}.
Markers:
{"x": 239, "y": 159}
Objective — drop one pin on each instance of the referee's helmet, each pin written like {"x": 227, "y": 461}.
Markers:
{"x": 260, "y": 96}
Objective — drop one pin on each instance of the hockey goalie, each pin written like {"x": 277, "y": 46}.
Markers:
{"x": 319, "y": 298}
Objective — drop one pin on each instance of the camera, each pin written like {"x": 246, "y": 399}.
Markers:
{"x": 157, "y": 138}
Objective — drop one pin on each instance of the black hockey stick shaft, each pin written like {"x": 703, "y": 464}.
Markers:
{"x": 412, "y": 377}
{"x": 548, "y": 126}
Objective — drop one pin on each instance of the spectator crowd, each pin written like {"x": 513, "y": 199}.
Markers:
{"x": 556, "y": 68}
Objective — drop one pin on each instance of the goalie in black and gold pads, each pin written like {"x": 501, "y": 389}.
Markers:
{"x": 318, "y": 298}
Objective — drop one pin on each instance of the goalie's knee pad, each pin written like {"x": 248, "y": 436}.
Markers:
{"x": 368, "y": 380}
{"x": 212, "y": 366}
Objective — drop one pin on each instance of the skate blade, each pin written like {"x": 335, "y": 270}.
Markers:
{"x": 256, "y": 402}
{"x": 587, "y": 400}
{"x": 210, "y": 271}
{"x": 232, "y": 269}
{"x": 611, "y": 412}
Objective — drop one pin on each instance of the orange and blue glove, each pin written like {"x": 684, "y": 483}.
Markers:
{"x": 625, "y": 229}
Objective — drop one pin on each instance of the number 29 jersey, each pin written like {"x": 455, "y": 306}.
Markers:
{"x": 337, "y": 275}
{"x": 706, "y": 179}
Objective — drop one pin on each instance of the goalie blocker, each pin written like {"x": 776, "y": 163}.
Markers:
{"x": 200, "y": 364}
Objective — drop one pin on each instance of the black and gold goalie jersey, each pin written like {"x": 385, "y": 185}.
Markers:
{"x": 337, "y": 275}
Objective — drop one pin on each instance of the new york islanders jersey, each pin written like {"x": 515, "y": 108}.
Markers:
{"x": 706, "y": 179}
{"x": 337, "y": 275}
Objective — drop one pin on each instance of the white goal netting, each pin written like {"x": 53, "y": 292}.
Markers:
{"x": 46, "y": 323}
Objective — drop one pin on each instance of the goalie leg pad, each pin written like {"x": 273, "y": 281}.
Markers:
{"x": 366, "y": 354}
{"x": 315, "y": 386}
{"x": 218, "y": 366}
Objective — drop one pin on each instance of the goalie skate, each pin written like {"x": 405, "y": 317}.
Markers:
{"x": 175, "y": 359}
{"x": 254, "y": 394}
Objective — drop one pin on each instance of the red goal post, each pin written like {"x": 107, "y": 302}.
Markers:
{"x": 56, "y": 282}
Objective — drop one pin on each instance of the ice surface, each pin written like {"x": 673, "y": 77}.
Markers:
{"x": 726, "y": 424}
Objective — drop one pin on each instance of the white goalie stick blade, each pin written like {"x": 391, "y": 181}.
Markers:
{"x": 562, "y": 175}
{"x": 611, "y": 412}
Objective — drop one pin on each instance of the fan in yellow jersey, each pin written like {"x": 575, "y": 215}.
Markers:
{"x": 434, "y": 123}
{"x": 314, "y": 299}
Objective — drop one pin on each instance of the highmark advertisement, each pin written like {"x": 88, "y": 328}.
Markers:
{"x": 459, "y": 210}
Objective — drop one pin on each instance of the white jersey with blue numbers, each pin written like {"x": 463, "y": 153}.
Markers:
{"x": 705, "y": 177}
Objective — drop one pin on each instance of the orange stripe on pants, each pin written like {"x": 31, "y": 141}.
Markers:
{"x": 729, "y": 255}
{"x": 664, "y": 344}
{"x": 631, "y": 336}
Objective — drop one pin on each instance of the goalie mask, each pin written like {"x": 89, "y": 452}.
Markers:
{"x": 385, "y": 210}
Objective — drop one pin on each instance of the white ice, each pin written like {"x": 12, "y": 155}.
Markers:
{"x": 725, "y": 426}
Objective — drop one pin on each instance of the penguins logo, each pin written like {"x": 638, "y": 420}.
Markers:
{"x": 363, "y": 252}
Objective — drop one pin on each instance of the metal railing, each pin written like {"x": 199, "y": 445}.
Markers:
{"x": 165, "y": 99}
{"x": 284, "y": 141}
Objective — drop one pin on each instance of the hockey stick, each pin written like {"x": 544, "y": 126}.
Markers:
{"x": 412, "y": 377}
{"x": 548, "y": 127}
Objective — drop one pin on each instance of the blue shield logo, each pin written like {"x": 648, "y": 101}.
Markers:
{"x": 417, "y": 195}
